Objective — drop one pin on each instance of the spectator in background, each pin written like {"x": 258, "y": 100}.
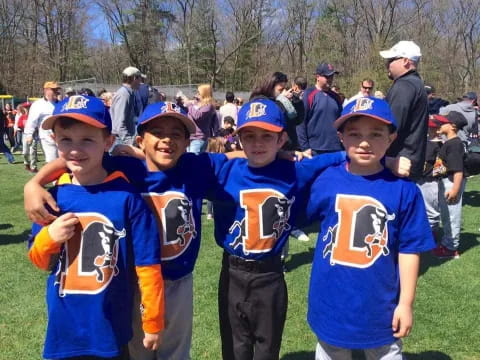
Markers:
{"x": 202, "y": 111}
{"x": 29, "y": 150}
{"x": 86, "y": 92}
{"x": 434, "y": 102}
{"x": 123, "y": 110}
{"x": 379, "y": 95}
{"x": 18, "y": 127}
{"x": 39, "y": 111}
{"x": 106, "y": 97}
{"x": 3, "y": 148}
{"x": 323, "y": 106}
{"x": 9, "y": 125}
{"x": 299, "y": 86}
{"x": 161, "y": 95}
{"x": 466, "y": 107}
{"x": 366, "y": 89}
{"x": 142, "y": 94}
{"x": 229, "y": 108}
{"x": 70, "y": 92}
{"x": 408, "y": 101}
{"x": 274, "y": 88}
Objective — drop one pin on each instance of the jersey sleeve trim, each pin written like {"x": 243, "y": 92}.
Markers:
{"x": 43, "y": 248}
{"x": 152, "y": 294}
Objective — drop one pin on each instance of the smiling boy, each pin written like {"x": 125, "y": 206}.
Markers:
{"x": 373, "y": 227}
{"x": 95, "y": 245}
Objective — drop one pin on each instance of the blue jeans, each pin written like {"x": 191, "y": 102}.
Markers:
{"x": 451, "y": 214}
{"x": 197, "y": 146}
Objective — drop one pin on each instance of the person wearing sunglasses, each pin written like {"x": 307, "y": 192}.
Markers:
{"x": 366, "y": 89}
{"x": 408, "y": 100}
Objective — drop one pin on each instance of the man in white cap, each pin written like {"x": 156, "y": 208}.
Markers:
{"x": 124, "y": 110}
{"x": 39, "y": 111}
{"x": 408, "y": 100}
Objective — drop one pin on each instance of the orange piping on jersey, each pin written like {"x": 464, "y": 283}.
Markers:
{"x": 66, "y": 178}
{"x": 152, "y": 293}
{"x": 42, "y": 249}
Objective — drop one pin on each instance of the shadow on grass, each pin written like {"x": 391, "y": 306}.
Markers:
{"x": 468, "y": 241}
{"x": 5, "y": 226}
{"x": 471, "y": 198}
{"x": 427, "y": 355}
{"x": 14, "y": 239}
{"x": 299, "y": 259}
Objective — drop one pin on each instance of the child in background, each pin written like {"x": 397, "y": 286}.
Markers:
{"x": 429, "y": 183}
{"x": 449, "y": 171}
{"x": 373, "y": 227}
{"x": 95, "y": 245}
{"x": 227, "y": 132}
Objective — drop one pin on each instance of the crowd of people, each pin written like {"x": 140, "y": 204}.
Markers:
{"x": 379, "y": 173}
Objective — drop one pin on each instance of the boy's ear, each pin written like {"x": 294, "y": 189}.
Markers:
{"x": 392, "y": 137}
{"x": 340, "y": 136}
{"x": 109, "y": 140}
{"x": 283, "y": 139}
{"x": 139, "y": 140}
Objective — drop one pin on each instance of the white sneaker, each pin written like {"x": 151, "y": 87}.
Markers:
{"x": 300, "y": 235}
{"x": 209, "y": 216}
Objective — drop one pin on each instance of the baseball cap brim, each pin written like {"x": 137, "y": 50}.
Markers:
{"x": 388, "y": 54}
{"x": 189, "y": 124}
{"x": 50, "y": 121}
{"x": 341, "y": 120}
{"x": 261, "y": 125}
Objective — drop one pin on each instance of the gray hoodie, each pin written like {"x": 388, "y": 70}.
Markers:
{"x": 470, "y": 113}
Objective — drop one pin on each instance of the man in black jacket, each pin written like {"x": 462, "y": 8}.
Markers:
{"x": 408, "y": 100}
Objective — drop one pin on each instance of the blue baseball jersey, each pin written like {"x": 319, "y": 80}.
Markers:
{"x": 254, "y": 208}
{"x": 366, "y": 221}
{"x": 175, "y": 197}
{"x": 91, "y": 286}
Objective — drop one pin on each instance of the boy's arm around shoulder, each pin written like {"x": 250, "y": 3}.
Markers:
{"x": 309, "y": 169}
{"x": 36, "y": 198}
{"x": 146, "y": 251}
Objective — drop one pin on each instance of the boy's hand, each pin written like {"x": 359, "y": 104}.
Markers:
{"x": 152, "y": 341}
{"x": 451, "y": 196}
{"x": 402, "y": 321}
{"x": 35, "y": 197}
{"x": 63, "y": 228}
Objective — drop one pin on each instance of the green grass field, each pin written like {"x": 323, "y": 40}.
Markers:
{"x": 447, "y": 310}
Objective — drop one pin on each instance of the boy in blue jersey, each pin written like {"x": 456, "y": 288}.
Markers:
{"x": 254, "y": 209}
{"x": 173, "y": 183}
{"x": 373, "y": 227}
{"x": 95, "y": 245}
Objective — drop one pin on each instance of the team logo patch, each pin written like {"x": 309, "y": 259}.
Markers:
{"x": 175, "y": 221}
{"x": 170, "y": 107}
{"x": 88, "y": 261}
{"x": 363, "y": 104}
{"x": 361, "y": 235}
{"x": 257, "y": 109}
{"x": 75, "y": 102}
{"x": 266, "y": 219}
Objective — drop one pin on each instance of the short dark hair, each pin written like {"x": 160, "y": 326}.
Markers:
{"x": 229, "y": 96}
{"x": 368, "y": 80}
{"x": 229, "y": 120}
{"x": 301, "y": 82}
{"x": 266, "y": 88}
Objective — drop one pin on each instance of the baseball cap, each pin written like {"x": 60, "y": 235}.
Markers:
{"x": 453, "y": 117}
{"x": 429, "y": 89}
{"x": 403, "y": 49}
{"x": 132, "y": 71}
{"x": 471, "y": 95}
{"x": 69, "y": 90}
{"x": 435, "y": 121}
{"x": 51, "y": 85}
{"x": 367, "y": 106}
{"x": 87, "y": 109}
{"x": 165, "y": 109}
{"x": 325, "y": 69}
{"x": 261, "y": 113}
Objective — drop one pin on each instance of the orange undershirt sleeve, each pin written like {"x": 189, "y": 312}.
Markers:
{"x": 43, "y": 249}
{"x": 152, "y": 292}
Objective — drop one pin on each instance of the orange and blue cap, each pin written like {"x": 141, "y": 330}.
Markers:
{"x": 163, "y": 110}
{"x": 261, "y": 113}
{"x": 87, "y": 109}
{"x": 372, "y": 107}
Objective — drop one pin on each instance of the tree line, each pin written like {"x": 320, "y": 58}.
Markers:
{"x": 234, "y": 44}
